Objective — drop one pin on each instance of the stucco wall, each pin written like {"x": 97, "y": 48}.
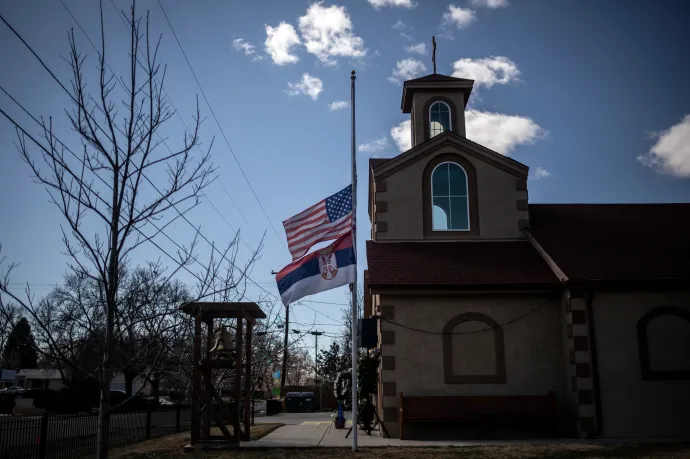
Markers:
{"x": 632, "y": 407}
{"x": 532, "y": 345}
{"x": 496, "y": 193}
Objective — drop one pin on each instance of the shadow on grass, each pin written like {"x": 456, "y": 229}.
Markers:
{"x": 571, "y": 451}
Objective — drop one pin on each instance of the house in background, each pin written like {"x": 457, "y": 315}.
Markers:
{"x": 52, "y": 379}
{"x": 482, "y": 295}
{"x": 40, "y": 379}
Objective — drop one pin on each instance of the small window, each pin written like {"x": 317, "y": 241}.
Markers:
{"x": 439, "y": 118}
{"x": 450, "y": 206}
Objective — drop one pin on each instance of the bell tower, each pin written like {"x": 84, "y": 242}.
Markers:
{"x": 436, "y": 103}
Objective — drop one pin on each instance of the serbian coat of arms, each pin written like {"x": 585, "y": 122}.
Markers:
{"x": 328, "y": 266}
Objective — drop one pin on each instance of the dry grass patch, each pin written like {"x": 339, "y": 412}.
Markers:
{"x": 574, "y": 451}
{"x": 171, "y": 445}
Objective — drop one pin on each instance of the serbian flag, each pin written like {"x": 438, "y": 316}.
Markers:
{"x": 321, "y": 270}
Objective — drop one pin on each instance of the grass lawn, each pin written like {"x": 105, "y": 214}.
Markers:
{"x": 171, "y": 448}
{"x": 171, "y": 445}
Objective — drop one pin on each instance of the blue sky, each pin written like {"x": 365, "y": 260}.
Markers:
{"x": 591, "y": 95}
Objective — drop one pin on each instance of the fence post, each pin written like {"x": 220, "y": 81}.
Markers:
{"x": 43, "y": 437}
{"x": 177, "y": 418}
{"x": 148, "y": 423}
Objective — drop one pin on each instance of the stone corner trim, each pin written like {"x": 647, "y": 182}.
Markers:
{"x": 388, "y": 337}
{"x": 388, "y": 311}
{"x": 388, "y": 362}
{"x": 390, "y": 414}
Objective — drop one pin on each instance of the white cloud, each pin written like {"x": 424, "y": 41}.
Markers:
{"x": 309, "y": 86}
{"x": 338, "y": 105}
{"x": 407, "y": 36}
{"x": 499, "y": 132}
{"x": 240, "y": 44}
{"x": 457, "y": 17}
{"x": 279, "y": 41}
{"x": 402, "y": 135}
{"x": 374, "y": 146}
{"x": 327, "y": 33}
{"x": 487, "y": 71}
{"x": 671, "y": 152}
{"x": 403, "y": 3}
{"x": 407, "y": 69}
{"x": 490, "y": 3}
{"x": 400, "y": 25}
{"x": 540, "y": 173}
{"x": 418, "y": 48}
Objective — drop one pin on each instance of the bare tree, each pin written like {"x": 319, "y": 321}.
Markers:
{"x": 300, "y": 366}
{"x": 9, "y": 315}
{"x": 111, "y": 205}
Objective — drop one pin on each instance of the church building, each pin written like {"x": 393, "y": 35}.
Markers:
{"x": 490, "y": 308}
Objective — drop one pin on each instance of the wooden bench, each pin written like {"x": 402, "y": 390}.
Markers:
{"x": 506, "y": 410}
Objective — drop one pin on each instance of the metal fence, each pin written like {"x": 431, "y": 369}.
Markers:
{"x": 72, "y": 436}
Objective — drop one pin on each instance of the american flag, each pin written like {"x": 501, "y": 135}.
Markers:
{"x": 328, "y": 219}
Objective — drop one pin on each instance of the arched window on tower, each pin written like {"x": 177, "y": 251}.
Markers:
{"x": 439, "y": 118}
{"x": 449, "y": 198}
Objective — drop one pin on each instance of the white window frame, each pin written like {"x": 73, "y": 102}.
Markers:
{"x": 450, "y": 118}
{"x": 467, "y": 196}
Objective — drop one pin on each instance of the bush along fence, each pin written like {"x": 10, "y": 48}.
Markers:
{"x": 73, "y": 436}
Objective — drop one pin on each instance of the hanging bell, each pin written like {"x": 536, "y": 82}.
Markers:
{"x": 223, "y": 342}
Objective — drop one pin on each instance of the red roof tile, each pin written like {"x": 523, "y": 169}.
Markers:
{"x": 615, "y": 241}
{"x": 509, "y": 263}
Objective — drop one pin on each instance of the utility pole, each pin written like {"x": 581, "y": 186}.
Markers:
{"x": 283, "y": 373}
{"x": 316, "y": 364}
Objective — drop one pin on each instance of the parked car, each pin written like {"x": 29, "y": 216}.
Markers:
{"x": 17, "y": 390}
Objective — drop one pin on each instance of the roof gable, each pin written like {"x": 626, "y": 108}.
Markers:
{"x": 434, "y": 82}
{"x": 461, "y": 143}
{"x": 439, "y": 77}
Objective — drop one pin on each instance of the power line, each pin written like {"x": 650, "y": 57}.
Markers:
{"x": 430, "y": 332}
{"x": 219, "y": 125}
{"x": 159, "y": 136}
{"x": 323, "y": 314}
{"x": 169, "y": 99}
{"x": 148, "y": 238}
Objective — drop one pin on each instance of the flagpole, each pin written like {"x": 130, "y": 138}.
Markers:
{"x": 353, "y": 286}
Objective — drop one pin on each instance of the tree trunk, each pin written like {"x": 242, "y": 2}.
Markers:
{"x": 155, "y": 388}
{"x": 129, "y": 382}
{"x": 103, "y": 420}
{"x": 110, "y": 304}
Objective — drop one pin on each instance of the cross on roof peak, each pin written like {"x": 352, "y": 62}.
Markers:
{"x": 433, "y": 52}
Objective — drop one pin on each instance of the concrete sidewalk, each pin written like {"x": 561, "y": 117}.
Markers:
{"x": 315, "y": 433}
{"x": 322, "y": 433}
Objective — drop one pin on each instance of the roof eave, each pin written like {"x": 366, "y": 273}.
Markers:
{"x": 500, "y": 288}
{"x": 410, "y": 86}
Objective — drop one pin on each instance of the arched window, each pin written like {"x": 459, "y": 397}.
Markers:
{"x": 439, "y": 118}
{"x": 449, "y": 200}
{"x": 473, "y": 350}
{"x": 663, "y": 338}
